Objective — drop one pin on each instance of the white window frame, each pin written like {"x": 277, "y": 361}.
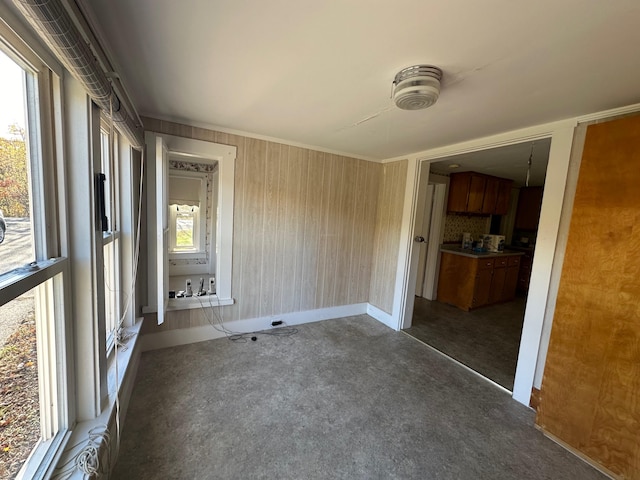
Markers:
{"x": 49, "y": 276}
{"x": 111, "y": 243}
{"x": 200, "y": 219}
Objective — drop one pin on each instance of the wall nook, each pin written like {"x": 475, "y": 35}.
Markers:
{"x": 190, "y": 211}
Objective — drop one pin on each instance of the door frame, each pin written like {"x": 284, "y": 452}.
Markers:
{"x": 561, "y": 134}
{"x": 436, "y": 232}
{"x": 427, "y": 213}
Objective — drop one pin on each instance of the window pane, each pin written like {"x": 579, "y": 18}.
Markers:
{"x": 19, "y": 401}
{"x": 185, "y": 224}
{"x": 184, "y": 230}
{"x": 111, "y": 290}
{"x": 16, "y": 239}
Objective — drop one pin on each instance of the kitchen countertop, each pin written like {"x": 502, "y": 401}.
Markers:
{"x": 470, "y": 253}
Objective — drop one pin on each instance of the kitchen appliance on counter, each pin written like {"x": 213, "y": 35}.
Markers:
{"x": 467, "y": 239}
{"x": 493, "y": 243}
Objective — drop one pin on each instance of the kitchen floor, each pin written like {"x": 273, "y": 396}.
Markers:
{"x": 486, "y": 340}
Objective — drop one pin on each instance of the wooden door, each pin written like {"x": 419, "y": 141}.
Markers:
{"x": 590, "y": 396}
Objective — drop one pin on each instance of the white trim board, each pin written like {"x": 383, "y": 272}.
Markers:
{"x": 381, "y": 316}
{"x": 184, "y": 336}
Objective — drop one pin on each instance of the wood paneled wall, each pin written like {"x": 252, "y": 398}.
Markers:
{"x": 387, "y": 235}
{"x": 303, "y": 227}
{"x": 590, "y": 396}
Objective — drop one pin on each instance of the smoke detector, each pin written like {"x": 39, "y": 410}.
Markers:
{"x": 417, "y": 87}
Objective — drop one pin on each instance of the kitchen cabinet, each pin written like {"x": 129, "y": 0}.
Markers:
{"x": 498, "y": 277}
{"x": 490, "y": 195}
{"x": 460, "y": 191}
{"x": 528, "y": 212}
{"x": 477, "y": 185}
{"x": 482, "y": 285}
{"x": 504, "y": 195}
{"x": 470, "y": 281}
{"x": 478, "y": 194}
{"x": 524, "y": 272}
{"x": 511, "y": 278}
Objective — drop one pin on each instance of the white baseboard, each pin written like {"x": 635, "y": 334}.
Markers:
{"x": 382, "y": 316}
{"x": 185, "y": 336}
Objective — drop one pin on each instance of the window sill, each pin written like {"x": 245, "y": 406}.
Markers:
{"x": 187, "y": 255}
{"x": 191, "y": 303}
{"x": 127, "y": 367}
{"x": 44, "y": 457}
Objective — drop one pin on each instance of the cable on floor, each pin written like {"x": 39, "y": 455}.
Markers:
{"x": 240, "y": 337}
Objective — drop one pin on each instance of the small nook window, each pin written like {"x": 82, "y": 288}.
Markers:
{"x": 187, "y": 214}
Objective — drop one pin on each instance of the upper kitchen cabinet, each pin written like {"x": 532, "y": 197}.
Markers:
{"x": 479, "y": 194}
{"x": 529, "y": 204}
{"x": 504, "y": 193}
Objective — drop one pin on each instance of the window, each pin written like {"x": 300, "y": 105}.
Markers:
{"x": 185, "y": 226}
{"x": 33, "y": 275}
{"x": 111, "y": 238}
{"x": 187, "y": 214}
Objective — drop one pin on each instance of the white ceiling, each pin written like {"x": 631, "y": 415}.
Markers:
{"x": 308, "y": 71}
{"x": 505, "y": 162}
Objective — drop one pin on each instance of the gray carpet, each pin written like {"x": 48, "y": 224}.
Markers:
{"x": 486, "y": 340}
{"x": 342, "y": 399}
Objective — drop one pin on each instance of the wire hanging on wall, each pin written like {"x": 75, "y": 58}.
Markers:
{"x": 526, "y": 183}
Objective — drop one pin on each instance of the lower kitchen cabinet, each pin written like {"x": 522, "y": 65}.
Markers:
{"x": 524, "y": 275}
{"x": 482, "y": 287}
{"x": 498, "y": 277}
{"x": 511, "y": 279}
{"x": 470, "y": 282}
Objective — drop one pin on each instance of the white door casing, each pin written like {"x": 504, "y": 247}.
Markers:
{"x": 561, "y": 134}
{"x": 420, "y": 173}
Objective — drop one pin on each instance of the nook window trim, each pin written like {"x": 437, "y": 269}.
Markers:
{"x": 200, "y": 219}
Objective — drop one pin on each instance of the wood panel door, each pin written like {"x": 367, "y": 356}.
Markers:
{"x": 590, "y": 396}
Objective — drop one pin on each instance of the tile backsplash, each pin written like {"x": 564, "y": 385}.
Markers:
{"x": 455, "y": 225}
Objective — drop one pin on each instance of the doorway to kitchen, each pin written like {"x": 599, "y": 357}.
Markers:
{"x": 470, "y": 298}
